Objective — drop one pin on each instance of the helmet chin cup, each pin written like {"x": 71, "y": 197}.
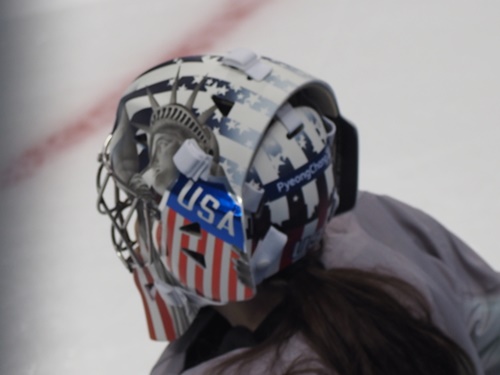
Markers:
{"x": 221, "y": 170}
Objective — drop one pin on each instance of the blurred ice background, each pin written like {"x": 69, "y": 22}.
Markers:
{"x": 419, "y": 79}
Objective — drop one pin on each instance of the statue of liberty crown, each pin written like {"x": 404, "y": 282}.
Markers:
{"x": 182, "y": 118}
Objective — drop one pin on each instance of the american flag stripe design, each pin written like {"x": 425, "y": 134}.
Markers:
{"x": 224, "y": 271}
{"x": 160, "y": 319}
{"x": 218, "y": 279}
{"x": 233, "y": 278}
{"x": 174, "y": 236}
{"x": 172, "y": 225}
{"x": 191, "y": 264}
{"x": 216, "y": 270}
{"x": 209, "y": 261}
{"x": 201, "y": 247}
{"x": 168, "y": 319}
{"x": 183, "y": 257}
{"x": 294, "y": 238}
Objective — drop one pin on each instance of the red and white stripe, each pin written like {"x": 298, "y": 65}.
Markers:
{"x": 218, "y": 280}
{"x": 159, "y": 316}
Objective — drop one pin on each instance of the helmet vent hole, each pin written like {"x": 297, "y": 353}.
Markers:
{"x": 223, "y": 105}
{"x": 193, "y": 229}
{"x": 295, "y": 132}
{"x": 197, "y": 257}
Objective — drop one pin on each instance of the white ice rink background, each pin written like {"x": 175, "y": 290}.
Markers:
{"x": 419, "y": 79}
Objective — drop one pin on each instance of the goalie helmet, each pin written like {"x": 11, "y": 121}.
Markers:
{"x": 220, "y": 171}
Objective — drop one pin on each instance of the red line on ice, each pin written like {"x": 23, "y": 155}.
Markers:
{"x": 102, "y": 114}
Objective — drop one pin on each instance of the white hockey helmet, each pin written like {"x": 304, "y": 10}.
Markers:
{"x": 231, "y": 165}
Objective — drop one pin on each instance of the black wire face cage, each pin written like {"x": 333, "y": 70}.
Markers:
{"x": 124, "y": 207}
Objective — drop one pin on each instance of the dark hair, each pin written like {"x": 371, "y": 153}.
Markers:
{"x": 357, "y": 322}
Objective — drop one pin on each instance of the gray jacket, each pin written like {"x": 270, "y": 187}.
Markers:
{"x": 384, "y": 234}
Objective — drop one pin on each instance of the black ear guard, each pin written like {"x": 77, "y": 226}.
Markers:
{"x": 323, "y": 100}
{"x": 346, "y": 153}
